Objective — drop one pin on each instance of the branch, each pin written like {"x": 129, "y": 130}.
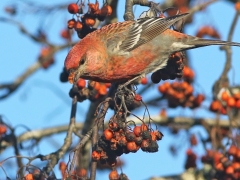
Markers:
{"x": 184, "y": 122}
{"x": 25, "y": 31}
{"x": 223, "y": 80}
{"x": 12, "y": 87}
{"x": 54, "y": 157}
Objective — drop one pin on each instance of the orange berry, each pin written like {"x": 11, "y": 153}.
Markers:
{"x": 3, "y": 129}
{"x": 231, "y": 102}
{"x": 29, "y": 177}
{"x": 132, "y": 146}
{"x": 78, "y": 25}
{"x": 73, "y": 8}
{"x": 224, "y": 96}
{"x": 102, "y": 90}
{"x": 65, "y": 34}
{"x": 189, "y": 90}
{"x": 144, "y": 127}
{"x": 144, "y": 80}
{"x": 215, "y": 106}
{"x": 71, "y": 23}
{"x": 89, "y": 21}
{"x": 95, "y": 156}
{"x": 184, "y": 85}
{"x": 219, "y": 167}
{"x": 106, "y": 11}
{"x": 137, "y": 97}
{"x": 188, "y": 73}
{"x": 108, "y": 134}
{"x": 236, "y": 166}
{"x": 97, "y": 86}
{"x": 237, "y": 6}
{"x": 81, "y": 83}
{"x": 175, "y": 85}
{"x": 217, "y": 157}
{"x": 153, "y": 135}
{"x": 137, "y": 130}
{"x": 178, "y": 95}
{"x": 94, "y": 7}
{"x": 82, "y": 172}
{"x": 162, "y": 89}
{"x": 70, "y": 78}
{"x": 62, "y": 166}
{"x": 229, "y": 170}
{"x": 163, "y": 113}
{"x": 232, "y": 150}
{"x": 158, "y": 134}
{"x": 113, "y": 175}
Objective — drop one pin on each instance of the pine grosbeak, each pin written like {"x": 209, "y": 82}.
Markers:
{"x": 126, "y": 50}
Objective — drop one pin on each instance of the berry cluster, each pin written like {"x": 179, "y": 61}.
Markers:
{"x": 226, "y": 99}
{"x": 36, "y": 174}
{"x": 226, "y": 166}
{"x": 78, "y": 174}
{"x": 84, "y": 25}
{"x": 117, "y": 139}
{"x": 174, "y": 69}
{"x": 208, "y": 31}
{"x": 93, "y": 91}
{"x": 180, "y": 94}
{"x": 46, "y": 57}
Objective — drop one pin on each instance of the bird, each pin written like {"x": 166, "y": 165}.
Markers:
{"x": 124, "y": 51}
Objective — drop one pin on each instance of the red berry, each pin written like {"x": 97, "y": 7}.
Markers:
{"x": 137, "y": 97}
{"x": 73, "y": 8}
{"x": 144, "y": 81}
{"x": 71, "y": 23}
{"x": 231, "y": 102}
{"x": 137, "y": 130}
{"x": 81, "y": 83}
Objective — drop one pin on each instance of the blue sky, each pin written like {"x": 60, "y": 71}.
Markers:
{"x": 42, "y": 101}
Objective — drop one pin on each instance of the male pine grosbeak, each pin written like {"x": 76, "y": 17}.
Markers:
{"x": 126, "y": 50}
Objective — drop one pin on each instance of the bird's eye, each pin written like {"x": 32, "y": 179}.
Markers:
{"x": 82, "y": 61}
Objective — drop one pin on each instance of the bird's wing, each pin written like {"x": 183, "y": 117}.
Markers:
{"x": 126, "y": 36}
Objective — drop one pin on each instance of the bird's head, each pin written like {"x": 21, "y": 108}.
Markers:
{"x": 85, "y": 60}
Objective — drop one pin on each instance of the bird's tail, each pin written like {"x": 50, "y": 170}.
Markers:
{"x": 199, "y": 42}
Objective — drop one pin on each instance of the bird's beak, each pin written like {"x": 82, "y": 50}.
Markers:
{"x": 77, "y": 75}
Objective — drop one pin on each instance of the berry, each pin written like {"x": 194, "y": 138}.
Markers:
{"x": 231, "y": 102}
{"x": 73, "y": 8}
{"x": 71, "y": 23}
{"x": 89, "y": 21}
{"x": 3, "y": 129}
{"x": 81, "y": 83}
{"x": 144, "y": 80}
{"x": 113, "y": 175}
{"x": 137, "y": 97}
{"x": 108, "y": 134}
{"x": 95, "y": 155}
{"x": 137, "y": 130}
